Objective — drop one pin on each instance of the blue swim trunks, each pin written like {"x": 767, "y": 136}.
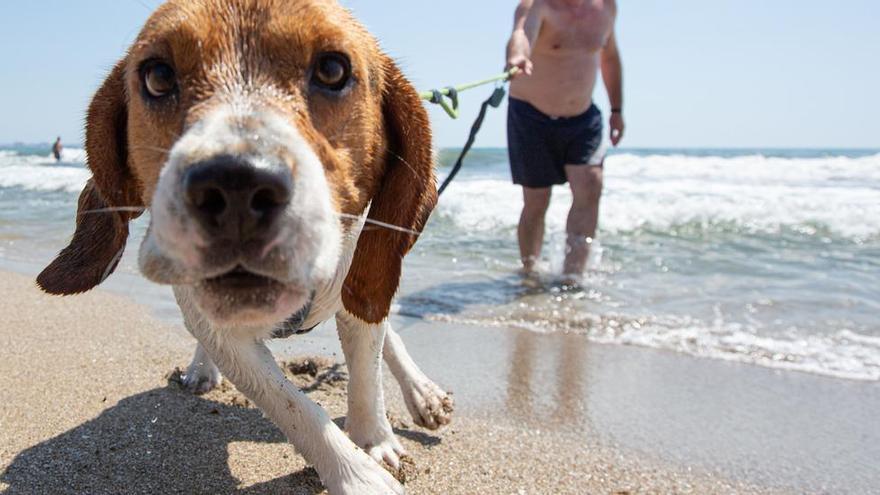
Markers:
{"x": 540, "y": 146}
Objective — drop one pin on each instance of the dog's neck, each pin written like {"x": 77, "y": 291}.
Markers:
{"x": 328, "y": 297}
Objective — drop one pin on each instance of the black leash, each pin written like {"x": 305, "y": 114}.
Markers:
{"x": 494, "y": 101}
{"x": 294, "y": 325}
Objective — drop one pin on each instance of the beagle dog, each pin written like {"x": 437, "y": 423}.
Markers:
{"x": 286, "y": 165}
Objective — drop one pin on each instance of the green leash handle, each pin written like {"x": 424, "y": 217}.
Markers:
{"x": 447, "y": 97}
{"x": 444, "y": 97}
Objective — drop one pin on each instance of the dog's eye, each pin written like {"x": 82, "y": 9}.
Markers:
{"x": 332, "y": 71}
{"x": 159, "y": 79}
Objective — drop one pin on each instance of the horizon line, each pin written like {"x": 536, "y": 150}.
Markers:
{"x": 610, "y": 150}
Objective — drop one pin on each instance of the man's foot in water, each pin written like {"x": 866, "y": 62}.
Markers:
{"x": 577, "y": 255}
{"x": 529, "y": 273}
{"x": 570, "y": 282}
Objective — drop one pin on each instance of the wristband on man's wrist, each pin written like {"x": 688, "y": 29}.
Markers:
{"x": 617, "y": 110}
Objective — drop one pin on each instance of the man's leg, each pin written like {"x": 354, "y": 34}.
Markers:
{"x": 586, "y": 188}
{"x": 531, "y": 226}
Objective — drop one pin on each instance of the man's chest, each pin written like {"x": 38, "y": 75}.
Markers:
{"x": 587, "y": 25}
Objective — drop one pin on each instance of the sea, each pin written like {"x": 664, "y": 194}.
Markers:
{"x": 766, "y": 257}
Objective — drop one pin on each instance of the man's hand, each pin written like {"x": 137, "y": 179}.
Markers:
{"x": 617, "y": 128}
{"x": 519, "y": 52}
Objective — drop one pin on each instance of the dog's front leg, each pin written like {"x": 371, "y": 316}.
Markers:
{"x": 250, "y": 366}
{"x": 429, "y": 405}
{"x": 202, "y": 374}
{"x": 366, "y": 422}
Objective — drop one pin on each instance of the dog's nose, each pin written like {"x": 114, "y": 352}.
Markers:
{"x": 234, "y": 200}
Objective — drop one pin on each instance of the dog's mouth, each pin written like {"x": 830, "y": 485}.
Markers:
{"x": 246, "y": 297}
{"x": 242, "y": 279}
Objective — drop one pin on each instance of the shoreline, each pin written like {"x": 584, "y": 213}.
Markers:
{"x": 537, "y": 413}
{"x": 693, "y": 266}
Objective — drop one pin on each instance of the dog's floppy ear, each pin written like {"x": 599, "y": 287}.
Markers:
{"x": 405, "y": 198}
{"x": 101, "y": 229}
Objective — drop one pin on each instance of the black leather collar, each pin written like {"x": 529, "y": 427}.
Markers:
{"x": 294, "y": 324}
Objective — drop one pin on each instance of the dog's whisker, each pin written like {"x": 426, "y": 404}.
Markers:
{"x": 402, "y": 160}
{"x": 340, "y": 134}
{"x": 379, "y": 224}
{"x": 112, "y": 265}
{"x": 144, "y": 4}
{"x": 130, "y": 209}
{"x": 164, "y": 151}
{"x": 347, "y": 289}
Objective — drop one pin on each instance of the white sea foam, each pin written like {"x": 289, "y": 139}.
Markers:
{"x": 660, "y": 192}
{"x": 843, "y": 354}
{"x": 43, "y": 173}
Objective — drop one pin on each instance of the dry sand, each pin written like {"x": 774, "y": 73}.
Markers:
{"x": 88, "y": 404}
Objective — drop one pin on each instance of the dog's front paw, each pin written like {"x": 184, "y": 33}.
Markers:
{"x": 430, "y": 406}
{"x": 377, "y": 440}
{"x": 360, "y": 475}
{"x": 202, "y": 377}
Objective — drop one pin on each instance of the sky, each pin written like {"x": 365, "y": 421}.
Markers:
{"x": 698, "y": 73}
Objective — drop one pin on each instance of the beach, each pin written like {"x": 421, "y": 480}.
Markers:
{"x": 726, "y": 341}
{"x": 88, "y": 404}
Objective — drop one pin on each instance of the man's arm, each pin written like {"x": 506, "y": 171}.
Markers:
{"x": 612, "y": 75}
{"x": 519, "y": 48}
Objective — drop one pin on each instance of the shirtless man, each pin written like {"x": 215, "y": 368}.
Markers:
{"x": 554, "y": 129}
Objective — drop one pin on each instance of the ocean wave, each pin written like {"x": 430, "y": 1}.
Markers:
{"x": 73, "y": 155}
{"x": 68, "y": 155}
{"x": 754, "y": 194}
{"x": 43, "y": 173}
{"x": 844, "y": 354}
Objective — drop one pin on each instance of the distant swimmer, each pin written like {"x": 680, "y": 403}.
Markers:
{"x": 554, "y": 129}
{"x": 57, "y": 148}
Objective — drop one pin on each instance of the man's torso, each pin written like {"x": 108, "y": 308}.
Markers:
{"x": 566, "y": 42}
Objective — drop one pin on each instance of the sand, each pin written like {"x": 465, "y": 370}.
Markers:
{"x": 89, "y": 404}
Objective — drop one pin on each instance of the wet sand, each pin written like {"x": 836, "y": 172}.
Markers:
{"x": 88, "y": 404}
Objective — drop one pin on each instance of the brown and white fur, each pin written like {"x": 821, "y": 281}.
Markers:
{"x": 269, "y": 188}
